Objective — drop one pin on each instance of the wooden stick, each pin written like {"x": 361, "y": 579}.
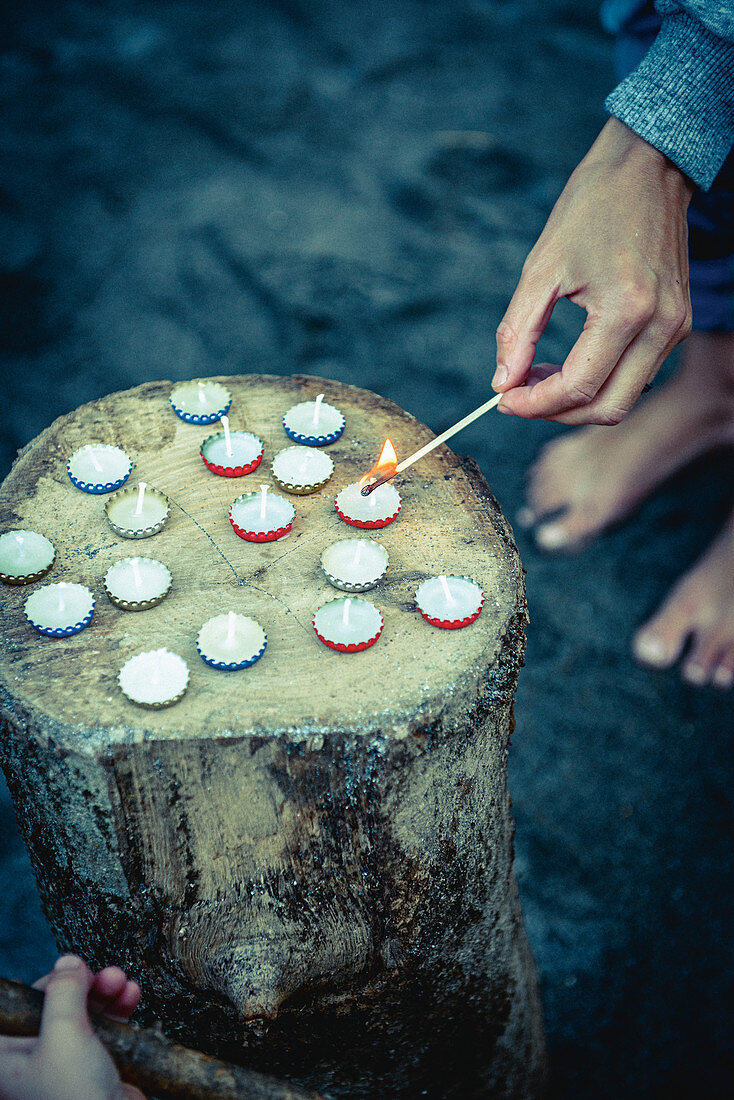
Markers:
{"x": 449, "y": 432}
{"x": 371, "y": 486}
{"x": 147, "y": 1059}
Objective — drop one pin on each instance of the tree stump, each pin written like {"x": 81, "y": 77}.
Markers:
{"x": 307, "y": 864}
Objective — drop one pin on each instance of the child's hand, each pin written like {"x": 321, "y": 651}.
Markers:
{"x": 66, "y": 1061}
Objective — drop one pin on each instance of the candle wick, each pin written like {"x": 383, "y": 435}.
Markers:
{"x": 232, "y": 622}
{"x": 62, "y": 602}
{"x": 317, "y": 409}
{"x": 136, "y": 574}
{"x": 345, "y": 613}
{"x": 21, "y": 545}
{"x": 358, "y": 554}
{"x": 446, "y": 590}
{"x": 202, "y": 395}
{"x": 263, "y": 500}
{"x": 227, "y": 438}
{"x": 141, "y": 497}
{"x": 95, "y": 462}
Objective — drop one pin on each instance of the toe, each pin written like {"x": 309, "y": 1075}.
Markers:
{"x": 659, "y": 643}
{"x": 723, "y": 675}
{"x": 570, "y": 532}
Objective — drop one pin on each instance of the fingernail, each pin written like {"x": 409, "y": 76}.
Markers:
{"x": 552, "y": 536}
{"x": 723, "y": 677}
{"x": 525, "y": 518}
{"x": 694, "y": 674}
{"x": 67, "y": 962}
{"x": 500, "y": 376}
{"x": 650, "y": 650}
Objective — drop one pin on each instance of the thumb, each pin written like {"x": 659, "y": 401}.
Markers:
{"x": 521, "y": 327}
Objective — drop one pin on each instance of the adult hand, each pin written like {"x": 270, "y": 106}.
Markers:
{"x": 66, "y": 1061}
{"x": 616, "y": 244}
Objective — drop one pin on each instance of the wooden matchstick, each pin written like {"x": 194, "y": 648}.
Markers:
{"x": 435, "y": 443}
{"x": 147, "y": 1059}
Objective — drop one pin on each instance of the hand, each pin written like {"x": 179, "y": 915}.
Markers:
{"x": 66, "y": 1061}
{"x": 616, "y": 244}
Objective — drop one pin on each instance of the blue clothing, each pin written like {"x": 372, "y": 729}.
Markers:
{"x": 680, "y": 97}
{"x": 711, "y": 213}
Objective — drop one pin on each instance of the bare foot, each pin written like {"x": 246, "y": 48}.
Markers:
{"x": 589, "y": 479}
{"x": 700, "y": 607}
{"x": 592, "y": 478}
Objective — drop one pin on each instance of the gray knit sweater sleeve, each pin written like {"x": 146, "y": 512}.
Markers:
{"x": 680, "y": 98}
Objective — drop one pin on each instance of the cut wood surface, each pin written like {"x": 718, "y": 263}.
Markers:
{"x": 442, "y": 527}
{"x": 306, "y": 864}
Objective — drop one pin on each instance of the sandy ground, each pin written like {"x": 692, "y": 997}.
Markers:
{"x": 349, "y": 189}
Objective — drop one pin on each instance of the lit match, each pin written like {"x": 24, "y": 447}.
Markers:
{"x": 387, "y": 464}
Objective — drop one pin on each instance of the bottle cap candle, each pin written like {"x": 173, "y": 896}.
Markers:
{"x": 449, "y": 601}
{"x": 313, "y": 423}
{"x": 354, "y": 565}
{"x": 231, "y": 642}
{"x": 136, "y": 584}
{"x": 59, "y": 610}
{"x": 261, "y": 517}
{"x": 302, "y": 470}
{"x": 377, "y": 510}
{"x": 156, "y": 678}
{"x": 25, "y": 556}
{"x": 232, "y": 453}
{"x": 200, "y": 402}
{"x": 137, "y": 513}
{"x": 348, "y": 624}
{"x": 99, "y": 468}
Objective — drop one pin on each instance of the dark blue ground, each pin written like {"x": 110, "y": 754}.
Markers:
{"x": 349, "y": 189}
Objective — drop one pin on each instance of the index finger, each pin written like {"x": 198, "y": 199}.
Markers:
{"x": 588, "y": 365}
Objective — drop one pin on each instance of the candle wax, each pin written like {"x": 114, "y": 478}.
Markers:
{"x": 99, "y": 468}
{"x": 124, "y": 510}
{"x": 348, "y": 623}
{"x": 248, "y": 514}
{"x": 354, "y": 564}
{"x": 24, "y": 555}
{"x": 449, "y": 599}
{"x": 137, "y": 581}
{"x": 155, "y": 678}
{"x": 231, "y": 640}
{"x": 302, "y": 468}
{"x": 200, "y": 402}
{"x": 312, "y": 424}
{"x": 247, "y": 450}
{"x": 60, "y": 607}
{"x": 376, "y": 510}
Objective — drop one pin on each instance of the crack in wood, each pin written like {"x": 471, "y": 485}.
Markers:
{"x": 289, "y": 610}
{"x": 205, "y": 532}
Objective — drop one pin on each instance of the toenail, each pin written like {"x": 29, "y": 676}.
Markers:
{"x": 650, "y": 650}
{"x": 723, "y": 677}
{"x": 694, "y": 674}
{"x": 552, "y": 536}
{"x": 525, "y": 518}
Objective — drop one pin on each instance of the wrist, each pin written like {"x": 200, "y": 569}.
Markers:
{"x": 620, "y": 149}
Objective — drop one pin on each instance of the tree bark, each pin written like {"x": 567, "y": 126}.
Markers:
{"x": 308, "y": 864}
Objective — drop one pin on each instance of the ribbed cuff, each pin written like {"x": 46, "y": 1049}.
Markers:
{"x": 680, "y": 98}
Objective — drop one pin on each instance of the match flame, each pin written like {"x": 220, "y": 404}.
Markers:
{"x": 385, "y": 466}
